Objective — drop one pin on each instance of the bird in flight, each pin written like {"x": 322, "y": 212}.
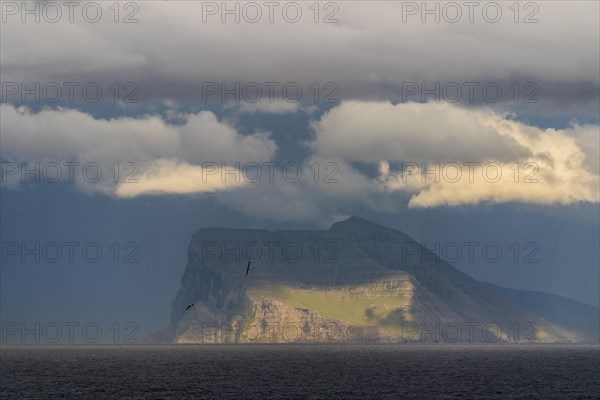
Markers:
{"x": 190, "y": 306}
{"x": 248, "y": 268}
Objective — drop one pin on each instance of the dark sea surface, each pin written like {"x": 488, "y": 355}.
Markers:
{"x": 301, "y": 372}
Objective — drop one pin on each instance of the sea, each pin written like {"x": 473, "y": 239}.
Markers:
{"x": 300, "y": 372}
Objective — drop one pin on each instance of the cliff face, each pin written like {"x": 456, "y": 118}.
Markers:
{"x": 357, "y": 282}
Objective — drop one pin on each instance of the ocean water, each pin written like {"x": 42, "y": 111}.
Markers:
{"x": 301, "y": 372}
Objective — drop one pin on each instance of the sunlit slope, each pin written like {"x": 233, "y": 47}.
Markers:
{"x": 379, "y": 303}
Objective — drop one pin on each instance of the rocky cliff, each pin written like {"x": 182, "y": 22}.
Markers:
{"x": 357, "y": 282}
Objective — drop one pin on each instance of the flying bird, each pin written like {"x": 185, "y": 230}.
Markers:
{"x": 248, "y": 268}
{"x": 190, "y": 306}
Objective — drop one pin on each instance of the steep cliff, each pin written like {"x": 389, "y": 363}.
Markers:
{"x": 357, "y": 282}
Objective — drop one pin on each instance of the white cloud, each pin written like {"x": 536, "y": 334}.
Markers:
{"x": 168, "y": 158}
{"x": 205, "y": 155}
{"x": 537, "y": 166}
{"x": 326, "y": 187}
{"x": 372, "y": 131}
{"x": 173, "y": 177}
{"x": 588, "y": 138}
{"x": 265, "y": 106}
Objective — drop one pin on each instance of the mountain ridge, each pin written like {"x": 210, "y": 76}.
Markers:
{"x": 357, "y": 276}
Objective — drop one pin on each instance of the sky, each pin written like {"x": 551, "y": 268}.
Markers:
{"x": 472, "y": 127}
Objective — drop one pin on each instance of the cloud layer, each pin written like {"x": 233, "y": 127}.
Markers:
{"x": 165, "y": 158}
{"x": 452, "y": 156}
{"x": 364, "y": 154}
{"x": 368, "y": 53}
